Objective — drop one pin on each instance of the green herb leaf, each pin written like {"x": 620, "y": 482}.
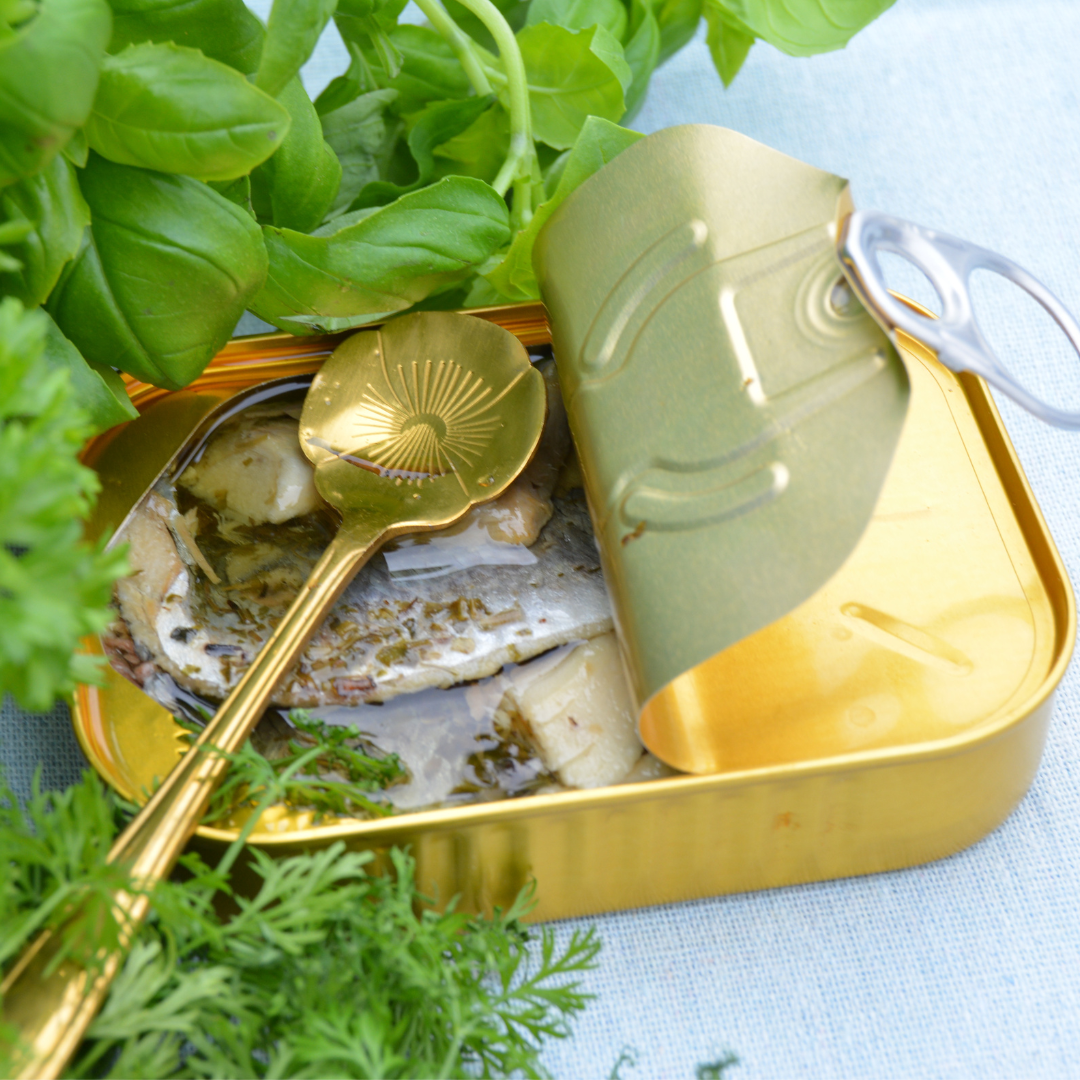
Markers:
{"x": 572, "y": 75}
{"x": 678, "y": 22}
{"x": 322, "y": 968}
{"x": 729, "y": 43}
{"x": 53, "y": 588}
{"x": 55, "y": 214}
{"x": 361, "y": 137}
{"x": 580, "y": 14}
{"x": 429, "y": 69}
{"x": 76, "y": 149}
{"x": 393, "y": 258}
{"x": 642, "y": 52}
{"x": 167, "y": 268}
{"x": 291, "y": 33}
{"x": 223, "y": 30}
{"x": 342, "y": 89}
{"x": 804, "y": 27}
{"x": 297, "y": 186}
{"x": 48, "y": 76}
{"x": 169, "y": 108}
{"x": 479, "y": 150}
{"x": 358, "y": 20}
{"x": 432, "y": 127}
{"x": 598, "y": 143}
{"x": 237, "y": 191}
{"x": 98, "y": 389}
{"x": 323, "y": 768}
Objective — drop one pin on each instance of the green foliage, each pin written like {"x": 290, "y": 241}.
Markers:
{"x": 597, "y": 144}
{"x": 120, "y": 300}
{"x": 97, "y": 388}
{"x": 200, "y": 89}
{"x": 48, "y": 75}
{"x": 327, "y": 970}
{"x": 428, "y": 69}
{"x": 432, "y": 127}
{"x": 361, "y": 135}
{"x": 53, "y": 589}
{"x": 715, "y": 1070}
{"x": 169, "y": 108}
{"x": 297, "y": 186}
{"x": 729, "y": 42}
{"x": 56, "y": 214}
{"x": 803, "y": 27}
{"x": 222, "y": 30}
{"x": 384, "y": 263}
{"x": 418, "y": 178}
{"x": 580, "y": 14}
{"x": 572, "y": 75}
{"x": 323, "y": 768}
{"x": 291, "y": 35}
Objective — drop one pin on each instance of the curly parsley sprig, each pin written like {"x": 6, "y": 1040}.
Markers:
{"x": 53, "y": 587}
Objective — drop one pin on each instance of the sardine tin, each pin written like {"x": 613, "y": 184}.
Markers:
{"x": 907, "y": 701}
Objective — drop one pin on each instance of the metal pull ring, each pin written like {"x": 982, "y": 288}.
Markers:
{"x": 948, "y": 263}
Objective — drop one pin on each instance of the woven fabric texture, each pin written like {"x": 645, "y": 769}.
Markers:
{"x": 961, "y": 115}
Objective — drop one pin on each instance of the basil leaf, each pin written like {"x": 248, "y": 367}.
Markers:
{"x": 642, "y": 52}
{"x": 291, "y": 33}
{"x": 48, "y": 76}
{"x": 729, "y": 45}
{"x": 238, "y": 192}
{"x": 165, "y": 271}
{"x": 430, "y": 71}
{"x": 367, "y": 23}
{"x": 359, "y": 135}
{"x": 678, "y": 21}
{"x": 223, "y": 30}
{"x": 385, "y": 262}
{"x": 76, "y": 149}
{"x": 98, "y": 389}
{"x": 297, "y": 186}
{"x": 598, "y": 143}
{"x": 342, "y": 89}
{"x": 352, "y": 16}
{"x": 53, "y": 207}
{"x": 605, "y": 46}
{"x": 579, "y": 14}
{"x": 169, "y": 108}
{"x": 435, "y": 125}
{"x": 479, "y": 150}
{"x": 804, "y": 27}
{"x": 569, "y": 82}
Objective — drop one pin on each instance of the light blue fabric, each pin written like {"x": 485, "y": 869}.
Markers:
{"x": 962, "y": 116}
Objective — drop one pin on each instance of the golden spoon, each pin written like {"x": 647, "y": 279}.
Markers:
{"x": 408, "y": 427}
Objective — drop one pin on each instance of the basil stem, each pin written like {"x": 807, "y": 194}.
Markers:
{"x": 459, "y": 41}
{"x": 519, "y": 165}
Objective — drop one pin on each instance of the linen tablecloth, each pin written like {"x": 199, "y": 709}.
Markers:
{"x": 961, "y": 115}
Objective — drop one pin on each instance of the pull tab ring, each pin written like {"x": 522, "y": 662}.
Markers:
{"x": 948, "y": 263}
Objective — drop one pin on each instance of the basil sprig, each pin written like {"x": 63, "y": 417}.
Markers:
{"x": 172, "y": 170}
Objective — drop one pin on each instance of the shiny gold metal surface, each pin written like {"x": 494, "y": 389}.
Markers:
{"x": 838, "y": 796}
{"x": 735, "y": 409}
{"x": 408, "y": 427}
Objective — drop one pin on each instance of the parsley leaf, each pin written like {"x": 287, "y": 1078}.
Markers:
{"x": 53, "y": 587}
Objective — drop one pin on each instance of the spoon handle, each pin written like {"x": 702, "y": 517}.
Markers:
{"x": 50, "y": 1013}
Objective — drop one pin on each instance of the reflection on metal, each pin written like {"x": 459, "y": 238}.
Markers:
{"x": 734, "y": 426}
{"x": 836, "y": 752}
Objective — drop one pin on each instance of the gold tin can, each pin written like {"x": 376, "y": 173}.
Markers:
{"x": 895, "y": 717}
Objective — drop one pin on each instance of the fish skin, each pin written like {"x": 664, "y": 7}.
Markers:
{"x": 386, "y": 635}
